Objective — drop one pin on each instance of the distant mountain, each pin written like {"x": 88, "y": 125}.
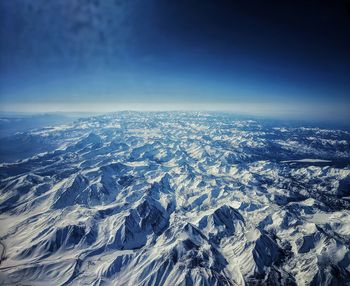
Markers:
{"x": 175, "y": 199}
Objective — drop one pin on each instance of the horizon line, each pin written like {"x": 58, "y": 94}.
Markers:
{"x": 288, "y": 110}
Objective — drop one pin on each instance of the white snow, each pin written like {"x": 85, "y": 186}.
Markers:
{"x": 178, "y": 199}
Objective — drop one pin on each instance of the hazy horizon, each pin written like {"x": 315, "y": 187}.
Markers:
{"x": 270, "y": 110}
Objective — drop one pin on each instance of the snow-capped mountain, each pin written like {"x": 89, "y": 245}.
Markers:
{"x": 176, "y": 199}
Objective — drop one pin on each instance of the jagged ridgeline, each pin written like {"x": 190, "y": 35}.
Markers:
{"x": 176, "y": 199}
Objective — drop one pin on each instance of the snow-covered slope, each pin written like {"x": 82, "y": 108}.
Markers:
{"x": 177, "y": 199}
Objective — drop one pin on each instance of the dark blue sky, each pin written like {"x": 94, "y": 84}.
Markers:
{"x": 289, "y": 56}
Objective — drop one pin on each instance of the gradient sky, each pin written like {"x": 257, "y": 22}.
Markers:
{"x": 262, "y": 57}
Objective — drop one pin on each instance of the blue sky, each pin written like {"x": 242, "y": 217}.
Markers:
{"x": 289, "y": 56}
